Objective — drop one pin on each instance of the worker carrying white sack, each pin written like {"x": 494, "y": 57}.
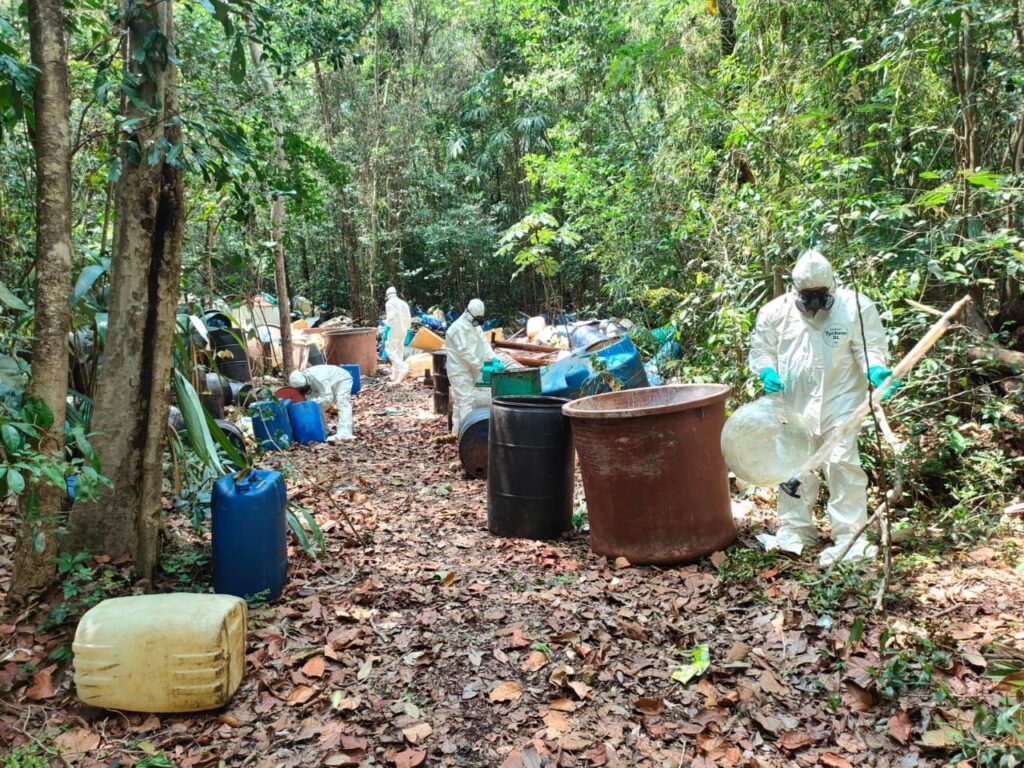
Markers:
{"x": 468, "y": 351}
{"x": 808, "y": 345}
{"x": 328, "y": 384}
{"x": 397, "y": 320}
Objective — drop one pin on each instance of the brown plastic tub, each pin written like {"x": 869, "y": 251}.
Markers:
{"x": 656, "y": 485}
{"x": 354, "y": 346}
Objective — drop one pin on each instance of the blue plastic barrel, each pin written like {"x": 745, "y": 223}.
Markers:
{"x": 270, "y": 424}
{"x": 307, "y": 423}
{"x": 249, "y": 531}
{"x": 353, "y": 369}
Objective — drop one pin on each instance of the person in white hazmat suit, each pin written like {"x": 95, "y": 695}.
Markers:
{"x": 397, "y": 319}
{"x": 468, "y": 351}
{"x": 808, "y": 345}
{"x": 328, "y": 384}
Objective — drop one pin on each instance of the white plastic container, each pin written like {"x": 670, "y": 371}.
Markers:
{"x": 765, "y": 442}
{"x": 161, "y": 653}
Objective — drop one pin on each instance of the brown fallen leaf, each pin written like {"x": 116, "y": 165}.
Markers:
{"x": 579, "y": 688}
{"x": 410, "y": 758}
{"x": 308, "y": 728}
{"x": 794, "y": 740}
{"x": 535, "y": 661}
{"x": 314, "y": 667}
{"x": 900, "y": 726}
{"x": 556, "y": 721}
{"x": 738, "y": 652}
{"x": 507, "y": 691}
{"x": 649, "y": 705}
{"x": 354, "y": 757}
{"x": 574, "y": 742}
{"x": 300, "y": 695}
{"x": 562, "y": 705}
{"x": 718, "y": 559}
{"x": 80, "y": 740}
{"x": 857, "y": 698}
{"x": 228, "y": 720}
{"x": 42, "y": 685}
{"x": 832, "y": 760}
{"x": 621, "y": 562}
{"x": 414, "y": 734}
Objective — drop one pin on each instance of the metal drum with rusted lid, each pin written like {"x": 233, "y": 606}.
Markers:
{"x": 473, "y": 434}
{"x": 656, "y": 485}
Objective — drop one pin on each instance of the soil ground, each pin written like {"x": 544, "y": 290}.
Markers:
{"x": 428, "y": 641}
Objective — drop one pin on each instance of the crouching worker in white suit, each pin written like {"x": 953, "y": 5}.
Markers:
{"x": 328, "y": 384}
{"x": 808, "y": 345}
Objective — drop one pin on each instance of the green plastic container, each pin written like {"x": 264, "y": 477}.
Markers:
{"x": 516, "y": 383}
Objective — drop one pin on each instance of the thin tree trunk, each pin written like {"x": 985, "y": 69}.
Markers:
{"x": 211, "y": 243}
{"x": 133, "y": 393}
{"x": 276, "y": 211}
{"x": 348, "y": 229}
{"x": 33, "y": 565}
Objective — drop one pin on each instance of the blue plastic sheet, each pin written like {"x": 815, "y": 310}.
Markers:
{"x": 582, "y": 374}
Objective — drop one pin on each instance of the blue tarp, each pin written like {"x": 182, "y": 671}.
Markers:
{"x": 583, "y": 373}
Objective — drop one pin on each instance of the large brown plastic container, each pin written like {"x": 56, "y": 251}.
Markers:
{"x": 656, "y": 485}
{"x": 356, "y": 346}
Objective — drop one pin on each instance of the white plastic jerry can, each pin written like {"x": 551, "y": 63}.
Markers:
{"x": 161, "y": 653}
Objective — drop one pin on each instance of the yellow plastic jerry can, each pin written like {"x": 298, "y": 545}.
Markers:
{"x": 161, "y": 653}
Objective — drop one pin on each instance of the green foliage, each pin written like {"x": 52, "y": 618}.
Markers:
{"x": 742, "y": 565}
{"x": 84, "y": 583}
{"x": 28, "y": 756}
{"x": 996, "y": 738}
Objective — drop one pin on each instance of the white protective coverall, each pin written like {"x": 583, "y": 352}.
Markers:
{"x": 398, "y": 318}
{"x": 329, "y": 384}
{"x": 822, "y": 361}
{"x": 468, "y": 351}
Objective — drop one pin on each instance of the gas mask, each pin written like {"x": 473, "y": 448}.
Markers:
{"x": 477, "y": 321}
{"x": 814, "y": 300}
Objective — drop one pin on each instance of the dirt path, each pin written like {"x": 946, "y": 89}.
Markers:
{"x": 432, "y": 642}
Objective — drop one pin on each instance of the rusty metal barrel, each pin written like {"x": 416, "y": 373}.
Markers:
{"x": 438, "y": 364}
{"x": 473, "y": 443}
{"x": 656, "y": 485}
{"x": 355, "y": 346}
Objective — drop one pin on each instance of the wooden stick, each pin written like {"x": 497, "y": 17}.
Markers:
{"x": 523, "y": 346}
{"x": 902, "y": 368}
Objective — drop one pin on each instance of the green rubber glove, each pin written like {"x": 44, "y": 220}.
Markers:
{"x": 385, "y": 334}
{"x": 770, "y": 381}
{"x": 877, "y": 374}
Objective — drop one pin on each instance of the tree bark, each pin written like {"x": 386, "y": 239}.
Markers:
{"x": 727, "y": 26}
{"x": 276, "y": 211}
{"x": 133, "y": 389}
{"x": 52, "y": 139}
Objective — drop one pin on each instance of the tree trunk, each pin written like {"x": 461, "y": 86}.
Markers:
{"x": 348, "y": 230}
{"x": 284, "y": 311}
{"x": 133, "y": 390}
{"x": 727, "y": 26}
{"x": 52, "y": 139}
{"x": 211, "y": 244}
